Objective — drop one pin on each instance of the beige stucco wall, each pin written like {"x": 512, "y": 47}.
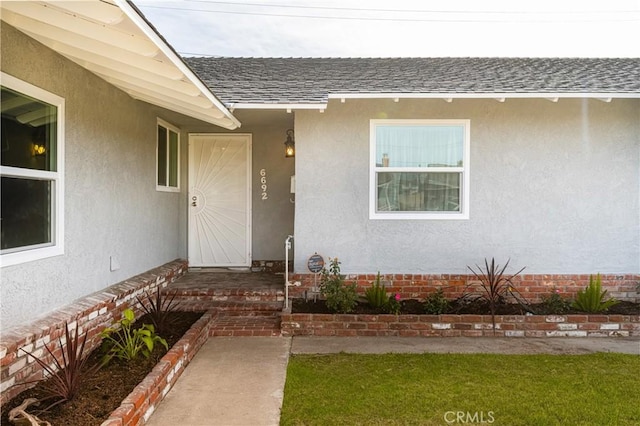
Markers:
{"x": 554, "y": 187}
{"x": 111, "y": 205}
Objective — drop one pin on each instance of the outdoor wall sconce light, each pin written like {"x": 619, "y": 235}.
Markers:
{"x": 39, "y": 149}
{"x": 289, "y": 145}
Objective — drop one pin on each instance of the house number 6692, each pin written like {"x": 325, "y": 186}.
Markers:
{"x": 263, "y": 183}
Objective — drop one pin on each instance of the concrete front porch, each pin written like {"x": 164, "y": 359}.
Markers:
{"x": 243, "y": 303}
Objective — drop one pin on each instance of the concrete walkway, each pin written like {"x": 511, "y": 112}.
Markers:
{"x": 240, "y": 380}
{"x": 230, "y": 381}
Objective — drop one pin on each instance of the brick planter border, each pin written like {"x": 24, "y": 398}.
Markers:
{"x": 586, "y": 325}
{"x": 91, "y": 314}
{"x": 140, "y": 404}
{"x": 531, "y": 286}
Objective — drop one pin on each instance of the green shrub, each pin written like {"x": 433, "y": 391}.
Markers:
{"x": 376, "y": 295}
{"x": 556, "y": 304}
{"x": 339, "y": 296}
{"x": 393, "y": 304}
{"x": 127, "y": 343}
{"x": 591, "y": 299}
{"x": 436, "y": 303}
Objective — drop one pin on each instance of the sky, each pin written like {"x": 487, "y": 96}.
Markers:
{"x": 400, "y": 28}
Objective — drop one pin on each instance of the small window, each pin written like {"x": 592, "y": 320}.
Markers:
{"x": 419, "y": 169}
{"x": 31, "y": 207}
{"x": 168, "y": 154}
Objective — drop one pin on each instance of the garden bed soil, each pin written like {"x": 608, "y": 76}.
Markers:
{"x": 104, "y": 391}
{"x": 416, "y": 307}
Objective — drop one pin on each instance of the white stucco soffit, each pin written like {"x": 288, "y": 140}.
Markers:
{"x": 112, "y": 39}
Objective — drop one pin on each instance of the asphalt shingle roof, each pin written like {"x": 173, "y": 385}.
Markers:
{"x": 312, "y": 80}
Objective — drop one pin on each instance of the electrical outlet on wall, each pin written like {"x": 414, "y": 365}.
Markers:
{"x": 114, "y": 265}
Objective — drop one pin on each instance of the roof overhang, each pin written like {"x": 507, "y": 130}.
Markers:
{"x": 447, "y": 97}
{"x": 113, "y": 40}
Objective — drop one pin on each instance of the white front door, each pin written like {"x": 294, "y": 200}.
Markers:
{"x": 219, "y": 200}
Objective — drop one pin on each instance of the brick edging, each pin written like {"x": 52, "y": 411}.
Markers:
{"x": 91, "y": 314}
{"x": 530, "y": 286}
{"x": 140, "y": 404}
{"x": 587, "y": 325}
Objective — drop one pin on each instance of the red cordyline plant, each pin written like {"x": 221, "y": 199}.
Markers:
{"x": 67, "y": 372}
{"x": 495, "y": 285}
{"x": 159, "y": 308}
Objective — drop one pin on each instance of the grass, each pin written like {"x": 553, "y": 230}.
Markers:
{"x": 410, "y": 389}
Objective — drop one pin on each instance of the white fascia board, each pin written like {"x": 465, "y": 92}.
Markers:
{"x": 241, "y": 105}
{"x": 482, "y": 95}
{"x": 176, "y": 60}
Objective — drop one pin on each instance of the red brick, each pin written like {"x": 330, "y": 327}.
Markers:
{"x": 430, "y": 318}
{"x": 378, "y": 325}
{"x": 408, "y": 318}
{"x": 356, "y": 325}
{"x": 577, "y": 318}
{"x": 346, "y": 332}
{"x": 598, "y": 318}
{"x": 367, "y": 333}
{"x": 409, "y": 333}
{"x": 401, "y": 326}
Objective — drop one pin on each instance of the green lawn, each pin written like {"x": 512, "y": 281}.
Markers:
{"x": 441, "y": 389}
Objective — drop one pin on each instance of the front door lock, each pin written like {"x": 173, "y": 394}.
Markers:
{"x": 194, "y": 201}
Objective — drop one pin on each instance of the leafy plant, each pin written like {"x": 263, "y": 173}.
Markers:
{"x": 376, "y": 295}
{"x": 591, "y": 299}
{"x": 67, "y": 371}
{"x": 127, "y": 343}
{"x": 436, "y": 303}
{"x": 393, "y": 304}
{"x": 495, "y": 285}
{"x": 159, "y": 307}
{"x": 556, "y": 304}
{"x": 340, "y": 297}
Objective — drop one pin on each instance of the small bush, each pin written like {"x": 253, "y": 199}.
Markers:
{"x": 436, "y": 303}
{"x": 393, "y": 304}
{"x": 376, "y": 295}
{"x": 340, "y": 297}
{"x": 127, "y": 343}
{"x": 591, "y": 299}
{"x": 556, "y": 304}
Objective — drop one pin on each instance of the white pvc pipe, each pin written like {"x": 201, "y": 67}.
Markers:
{"x": 287, "y": 247}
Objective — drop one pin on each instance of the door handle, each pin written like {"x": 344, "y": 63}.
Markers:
{"x": 194, "y": 201}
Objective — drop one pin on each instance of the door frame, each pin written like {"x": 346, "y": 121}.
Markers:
{"x": 249, "y": 194}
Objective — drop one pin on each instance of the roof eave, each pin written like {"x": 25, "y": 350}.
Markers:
{"x": 113, "y": 40}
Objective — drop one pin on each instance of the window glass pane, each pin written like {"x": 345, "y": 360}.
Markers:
{"x": 162, "y": 156}
{"x": 28, "y": 132}
{"x": 25, "y": 212}
{"x": 173, "y": 159}
{"x": 419, "y": 146}
{"x": 418, "y": 192}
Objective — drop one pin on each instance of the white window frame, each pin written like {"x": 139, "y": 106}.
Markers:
{"x": 18, "y": 255}
{"x": 373, "y": 169}
{"x": 167, "y": 188}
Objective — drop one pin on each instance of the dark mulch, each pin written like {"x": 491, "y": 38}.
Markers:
{"x": 478, "y": 307}
{"x": 104, "y": 391}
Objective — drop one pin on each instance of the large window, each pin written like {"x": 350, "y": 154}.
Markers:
{"x": 168, "y": 156}
{"x": 31, "y": 208}
{"x": 419, "y": 169}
